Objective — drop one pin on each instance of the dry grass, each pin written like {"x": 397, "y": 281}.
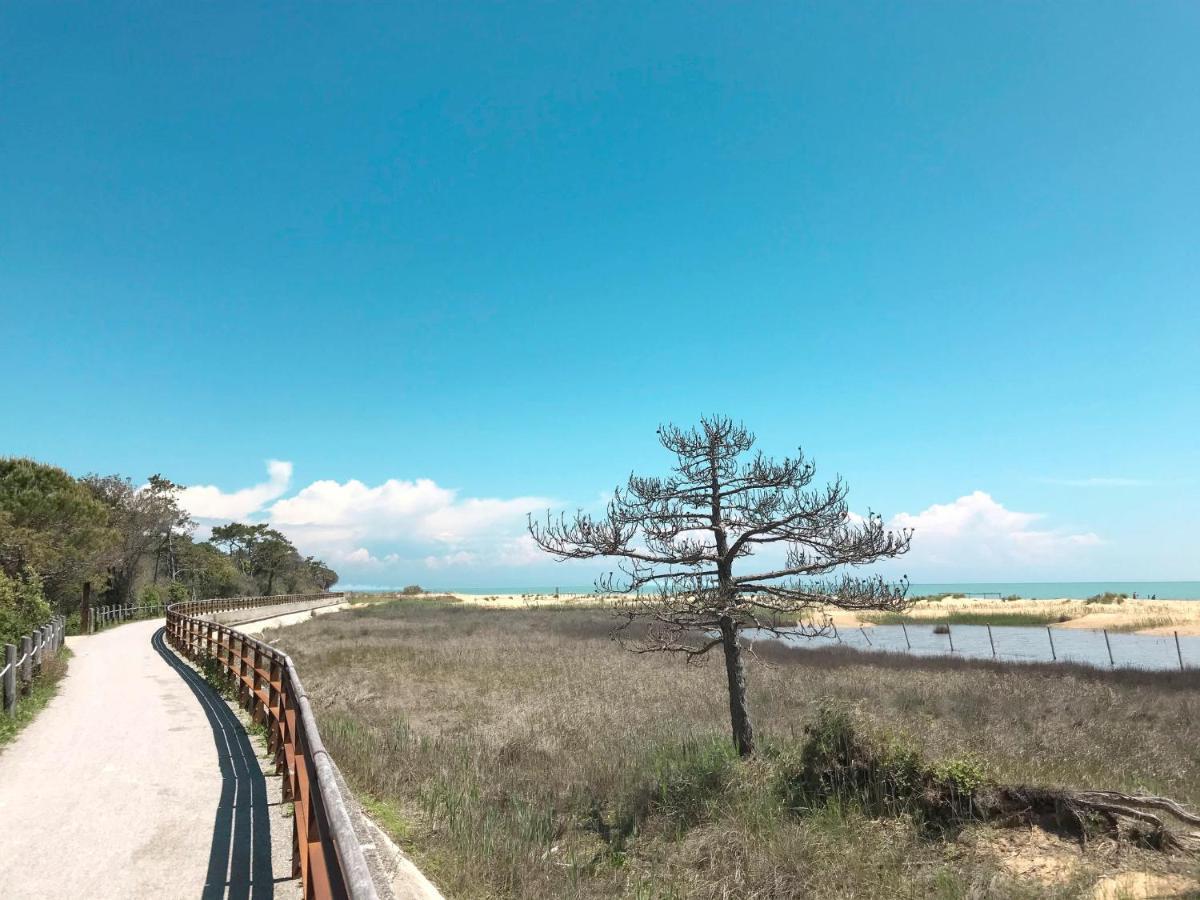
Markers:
{"x": 521, "y": 753}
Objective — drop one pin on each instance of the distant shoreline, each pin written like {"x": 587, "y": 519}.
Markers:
{"x": 1028, "y": 590}
{"x": 1141, "y": 616}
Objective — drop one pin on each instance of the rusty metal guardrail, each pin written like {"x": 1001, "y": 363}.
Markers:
{"x": 16, "y": 676}
{"x": 326, "y": 852}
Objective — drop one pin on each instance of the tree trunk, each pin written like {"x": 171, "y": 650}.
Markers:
{"x": 739, "y": 715}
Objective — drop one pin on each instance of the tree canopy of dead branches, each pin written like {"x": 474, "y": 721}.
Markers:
{"x": 682, "y": 542}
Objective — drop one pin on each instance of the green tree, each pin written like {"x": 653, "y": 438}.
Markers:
{"x": 146, "y": 520}
{"x": 23, "y": 606}
{"x": 273, "y": 555}
{"x": 54, "y": 526}
{"x": 683, "y": 543}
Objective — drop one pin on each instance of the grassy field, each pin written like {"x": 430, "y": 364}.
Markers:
{"x": 522, "y": 753}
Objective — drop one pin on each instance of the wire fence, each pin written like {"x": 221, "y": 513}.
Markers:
{"x": 1094, "y": 647}
{"x": 16, "y": 677}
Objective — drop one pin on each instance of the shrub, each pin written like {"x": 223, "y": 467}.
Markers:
{"x": 690, "y": 779}
{"x": 882, "y": 777}
{"x": 217, "y": 677}
{"x": 941, "y": 629}
{"x": 23, "y": 607}
{"x": 1107, "y": 597}
{"x": 151, "y": 596}
{"x": 410, "y": 590}
{"x": 177, "y": 593}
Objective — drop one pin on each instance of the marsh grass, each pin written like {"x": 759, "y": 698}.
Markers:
{"x": 966, "y": 617}
{"x": 522, "y": 753}
{"x": 1144, "y": 623}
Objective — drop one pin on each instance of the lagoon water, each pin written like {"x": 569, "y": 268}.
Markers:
{"x": 1019, "y": 644}
{"x": 1034, "y": 590}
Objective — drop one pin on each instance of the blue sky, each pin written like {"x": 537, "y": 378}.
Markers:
{"x": 482, "y": 250}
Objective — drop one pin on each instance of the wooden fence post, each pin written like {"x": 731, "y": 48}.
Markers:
{"x": 10, "y": 679}
{"x": 26, "y": 662}
{"x": 991, "y": 641}
{"x": 257, "y": 707}
{"x": 1109, "y": 646}
{"x": 1050, "y": 634}
{"x": 1178, "y": 652}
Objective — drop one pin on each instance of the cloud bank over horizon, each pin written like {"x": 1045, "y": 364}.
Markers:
{"x": 404, "y": 531}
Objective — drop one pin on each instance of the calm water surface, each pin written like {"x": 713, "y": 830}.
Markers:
{"x": 1018, "y": 644}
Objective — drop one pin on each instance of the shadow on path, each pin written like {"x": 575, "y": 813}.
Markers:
{"x": 239, "y": 863}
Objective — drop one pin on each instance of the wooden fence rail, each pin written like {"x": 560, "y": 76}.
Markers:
{"x": 17, "y": 674}
{"x": 326, "y": 852}
{"x": 103, "y": 616}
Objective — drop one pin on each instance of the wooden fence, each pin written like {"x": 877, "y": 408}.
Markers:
{"x": 18, "y": 673}
{"x": 101, "y": 617}
{"x": 326, "y": 852}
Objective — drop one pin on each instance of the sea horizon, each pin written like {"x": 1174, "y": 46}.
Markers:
{"x": 1034, "y": 590}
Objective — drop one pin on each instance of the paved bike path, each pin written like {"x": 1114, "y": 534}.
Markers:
{"x": 135, "y": 781}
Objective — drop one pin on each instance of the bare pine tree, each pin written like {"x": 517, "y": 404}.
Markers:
{"x": 680, "y": 538}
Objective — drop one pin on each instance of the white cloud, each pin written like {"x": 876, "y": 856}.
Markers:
{"x": 386, "y": 532}
{"x": 977, "y": 537}
{"x": 206, "y": 501}
{"x": 393, "y": 532}
{"x": 398, "y": 528}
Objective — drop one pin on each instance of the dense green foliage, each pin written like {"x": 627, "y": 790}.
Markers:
{"x": 23, "y": 606}
{"x": 51, "y": 524}
{"x": 133, "y": 544}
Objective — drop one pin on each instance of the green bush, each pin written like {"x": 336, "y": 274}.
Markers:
{"x": 837, "y": 764}
{"x": 690, "y": 778}
{"x": 151, "y": 596}
{"x": 1107, "y": 597}
{"x": 177, "y": 593}
{"x": 412, "y": 589}
{"x": 23, "y": 606}
{"x": 218, "y": 677}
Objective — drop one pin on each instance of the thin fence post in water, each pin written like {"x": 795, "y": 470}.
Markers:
{"x": 1109, "y": 646}
{"x": 1178, "y": 652}
{"x": 950, "y": 634}
{"x": 906, "y": 640}
{"x": 864, "y": 634}
{"x": 1050, "y": 634}
{"x": 992, "y": 642}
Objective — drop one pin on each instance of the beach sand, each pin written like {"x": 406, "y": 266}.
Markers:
{"x": 1139, "y": 616}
